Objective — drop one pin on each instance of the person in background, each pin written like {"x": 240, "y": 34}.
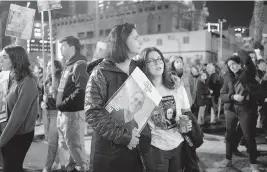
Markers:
{"x": 49, "y": 105}
{"x": 261, "y": 69}
{"x": 22, "y": 108}
{"x": 176, "y": 65}
{"x": 70, "y": 104}
{"x": 215, "y": 84}
{"x": 193, "y": 88}
{"x": 203, "y": 97}
{"x": 259, "y": 50}
{"x": 38, "y": 73}
{"x": 242, "y": 94}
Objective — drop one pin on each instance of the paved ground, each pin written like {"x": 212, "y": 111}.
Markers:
{"x": 211, "y": 151}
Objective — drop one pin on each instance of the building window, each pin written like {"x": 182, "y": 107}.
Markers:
{"x": 90, "y": 34}
{"x": 159, "y": 7}
{"x": 107, "y": 32}
{"x": 81, "y": 35}
{"x": 159, "y": 41}
{"x": 101, "y": 33}
{"x": 166, "y": 6}
{"x": 145, "y": 39}
{"x": 159, "y": 28}
{"x": 186, "y": 40}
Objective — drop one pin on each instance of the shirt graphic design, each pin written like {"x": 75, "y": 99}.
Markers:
{"x": 164, "y": 116}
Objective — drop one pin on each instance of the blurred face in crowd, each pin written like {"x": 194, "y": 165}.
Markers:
{"x": 210, "y": 69}
{"x": 203, "y": 76}
{"x": 49, "y": 68}
{"x": 5, "y": 61}
{"x": 262, "y": 66}
{"x": 36, "y": 70}
{"x": 136, "y": 102}
{"x": 233, "y": 66}
{"x": 178, "y": 63}
{"x": 134, "y": 43}
{"x": 67, "y": 51}
{"x": 155, "y": 65}
{"x": 194, "y": 71}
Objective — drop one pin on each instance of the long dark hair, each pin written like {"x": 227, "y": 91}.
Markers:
{"x": 166, "y": 76}
{"x": 117, "y": 48}
{"x": 20, "y": 61}
{"x": 237, "y": 60}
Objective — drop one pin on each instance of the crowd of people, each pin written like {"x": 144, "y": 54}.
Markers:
{"x": 74, "y": 95}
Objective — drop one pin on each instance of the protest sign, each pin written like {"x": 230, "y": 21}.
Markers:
{"x": 20, "y": 22}
{"x": 48, "y": 5}
{"x": 133, "y": 103}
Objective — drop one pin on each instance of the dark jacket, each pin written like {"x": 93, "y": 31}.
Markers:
{"x": 247, "y": 78}
{"x": 215, "y": 84}
{"x": 224, "y": 93}
{"x": 71, "y": 92}
{"x": 203, "y": 96}
{"x": 110, "y": 137}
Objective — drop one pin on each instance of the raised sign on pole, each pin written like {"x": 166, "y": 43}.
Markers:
{"x": 48, "y": 5}
{"x": 20, "y": 22}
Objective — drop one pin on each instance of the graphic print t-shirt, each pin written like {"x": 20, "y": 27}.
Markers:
{"x": 165, "y": 134}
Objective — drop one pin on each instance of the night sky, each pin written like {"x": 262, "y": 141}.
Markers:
{"x": 237, "y": 13}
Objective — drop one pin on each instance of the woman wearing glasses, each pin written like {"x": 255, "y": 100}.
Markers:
{"x": 113, "y": 146}
{"x": 166, "y": 140}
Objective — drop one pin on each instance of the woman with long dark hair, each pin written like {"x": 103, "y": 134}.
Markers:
{"x": 166, "y": 142}
{"x": 22, "y": 108}
{"x": 113, "y": 147}
{"x": 243, "y": 96}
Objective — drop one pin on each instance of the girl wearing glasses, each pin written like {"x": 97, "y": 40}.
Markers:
{"x": 166, "y": 141}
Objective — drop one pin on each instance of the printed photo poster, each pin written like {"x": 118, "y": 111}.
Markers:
{"x": 44, "y": 5}
{"x": 164, "y": 116}
{"x": 133, "y": 103}
{"x": 20, "y": 22}
{"x": 4, "y": 78}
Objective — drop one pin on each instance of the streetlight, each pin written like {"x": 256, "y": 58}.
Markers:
{"x": 221, "y": 21}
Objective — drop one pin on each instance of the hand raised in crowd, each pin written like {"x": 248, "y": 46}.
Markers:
{"x": 238, "y": 97}
{"x": 135, "y": 139}
{"x": 176, "y": 80}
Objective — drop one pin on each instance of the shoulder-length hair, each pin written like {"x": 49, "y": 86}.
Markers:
{"x": 237, "y": 60}
{"x": 166, "y": 76}
{"x": 117, "y": 50}
{"x": 20, "y": 61}
{"x": 172, "y": 60}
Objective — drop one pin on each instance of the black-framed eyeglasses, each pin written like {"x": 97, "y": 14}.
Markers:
{"x": 155, "y": 61}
